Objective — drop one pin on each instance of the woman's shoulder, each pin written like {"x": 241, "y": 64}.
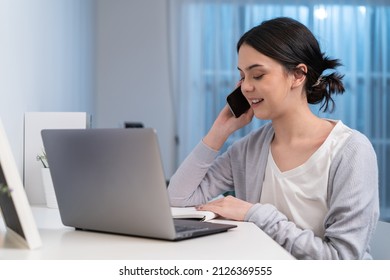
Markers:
{"x": 352, "y": 136}
{"x": 356, "y": 144}
{"x": 357, "y": 138}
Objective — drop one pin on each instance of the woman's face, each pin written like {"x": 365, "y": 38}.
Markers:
{"x": 265, "y": 83}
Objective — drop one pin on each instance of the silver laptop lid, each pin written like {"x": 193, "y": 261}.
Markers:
{"x": 110, "y": 180}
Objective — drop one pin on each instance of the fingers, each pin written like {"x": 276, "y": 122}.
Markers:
{"x": 228, "y": 207}
{"x": 213, "y": 206}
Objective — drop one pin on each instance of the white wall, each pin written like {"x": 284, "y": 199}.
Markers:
{"x": 106, "y": 58}
{"x": 45, "y": 61}
{"x": 132, "y": 78}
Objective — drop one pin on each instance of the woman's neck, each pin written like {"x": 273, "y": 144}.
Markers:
{"x": 299, "y": 125}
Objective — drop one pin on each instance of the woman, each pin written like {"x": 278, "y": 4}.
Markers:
{"x": 309, "y": 183}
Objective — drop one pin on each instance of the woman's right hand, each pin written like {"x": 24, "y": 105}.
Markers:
{"x": 224, "y": 125}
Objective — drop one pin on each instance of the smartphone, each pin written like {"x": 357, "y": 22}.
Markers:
{"x": 237, "y": 102}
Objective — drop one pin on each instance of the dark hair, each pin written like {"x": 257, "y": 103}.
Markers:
{"x": 292, "y": 43}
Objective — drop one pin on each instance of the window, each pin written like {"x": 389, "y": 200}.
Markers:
{"x": 204, "y": 59}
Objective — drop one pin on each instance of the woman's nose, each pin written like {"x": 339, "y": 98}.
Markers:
{"x": 246, "y": 86}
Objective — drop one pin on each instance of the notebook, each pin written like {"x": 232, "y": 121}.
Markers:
{"x": 112, "y": 180}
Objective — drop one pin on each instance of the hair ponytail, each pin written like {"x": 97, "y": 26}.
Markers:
{"x": 325, "y": 86}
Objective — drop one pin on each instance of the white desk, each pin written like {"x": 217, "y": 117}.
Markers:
{"x": 246, "y": 242}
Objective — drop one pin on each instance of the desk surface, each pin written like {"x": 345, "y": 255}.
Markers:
{"x": 246, "y": 242}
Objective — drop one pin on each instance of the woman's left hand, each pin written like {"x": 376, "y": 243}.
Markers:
{"x": 228, "y": 207}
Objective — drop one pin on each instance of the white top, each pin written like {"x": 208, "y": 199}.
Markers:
{"x": 301, "y": 193}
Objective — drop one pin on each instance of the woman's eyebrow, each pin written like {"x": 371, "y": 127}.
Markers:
{"x": 250, "y": 67}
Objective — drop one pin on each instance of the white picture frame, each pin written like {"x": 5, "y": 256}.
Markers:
{"x": 15, "y": 208}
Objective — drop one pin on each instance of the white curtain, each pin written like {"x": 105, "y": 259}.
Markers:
{"x": 203, "y": 54}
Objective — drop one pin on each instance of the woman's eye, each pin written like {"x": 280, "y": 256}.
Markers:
{"x": 258, "y": 77}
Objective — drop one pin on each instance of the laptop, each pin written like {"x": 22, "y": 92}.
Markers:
{"x": 112, "y": 180}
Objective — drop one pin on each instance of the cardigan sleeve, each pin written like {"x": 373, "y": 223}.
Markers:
{"x": 353, "y": 209}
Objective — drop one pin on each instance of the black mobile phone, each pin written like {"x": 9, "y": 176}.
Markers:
{"x": 237, "y": 102}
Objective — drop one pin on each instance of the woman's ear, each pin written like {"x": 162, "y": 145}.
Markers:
{"x": 299, "y": 75}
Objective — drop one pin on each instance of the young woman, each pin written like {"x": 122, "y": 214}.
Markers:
{"x": 309, "y": 183}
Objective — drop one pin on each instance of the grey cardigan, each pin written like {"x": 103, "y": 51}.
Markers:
{"x": 352, "y": 196}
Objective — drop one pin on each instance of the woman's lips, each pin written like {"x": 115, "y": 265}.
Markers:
{"x": 255, "y": 101}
